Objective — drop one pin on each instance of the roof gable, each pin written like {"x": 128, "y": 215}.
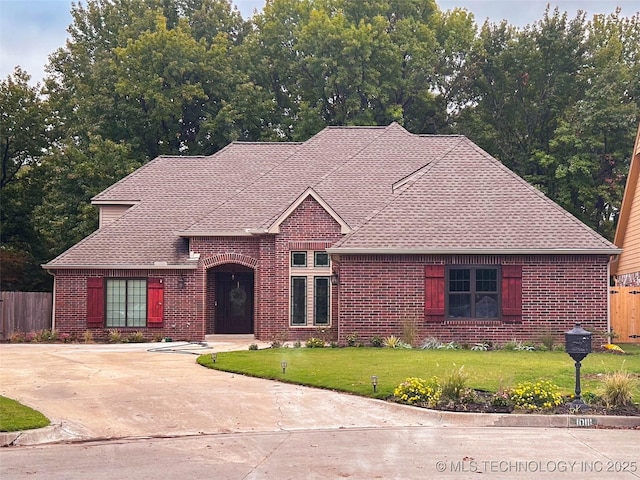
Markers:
{"x": 309, "y": 192}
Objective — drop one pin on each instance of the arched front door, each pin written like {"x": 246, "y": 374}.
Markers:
{"x": 234, "y": 302}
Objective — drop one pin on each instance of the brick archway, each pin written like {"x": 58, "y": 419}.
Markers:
{"x": 230, "y": 293}
{"x": 223, "y": 258}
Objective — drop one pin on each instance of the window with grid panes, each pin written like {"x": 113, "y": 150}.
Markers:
{"x": 126, "y": 303}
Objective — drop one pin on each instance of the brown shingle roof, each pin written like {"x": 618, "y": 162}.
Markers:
{"x": 399, "y": 192}
{"x": 468, "y": 202}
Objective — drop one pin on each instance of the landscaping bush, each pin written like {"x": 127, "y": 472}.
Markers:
{"x": 431, "y": 343}
{"x": 454, "y": 383}
{"x": 114, "y": 336}
{"x": 314, "y": 342}
{"x": 541, "y": 395}
{"x": 352, "y": 339}
{"x": 45, "y": 336}
{"x": 618, "y": 389}
{"x": 409, "y": 331}
{"x": 136, "y": 337}
{"x": 394, "y": 342}
{"x": 415, "y": 391}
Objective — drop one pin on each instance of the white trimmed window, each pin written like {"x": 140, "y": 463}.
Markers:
{"x": 310, "y": 289}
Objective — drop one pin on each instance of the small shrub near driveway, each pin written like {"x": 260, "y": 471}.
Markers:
{"x": 417, "y": 391}
{"x": 542, "y": 395}
{"x": 454, "y": 383}
{"x": 618, "y": 388}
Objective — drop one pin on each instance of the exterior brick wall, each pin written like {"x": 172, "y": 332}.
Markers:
{"x": 70, "y": 304}
{"x": 309, "y": 227}
{"x": 376, "y": 295}
{"x": 557, "y": 291}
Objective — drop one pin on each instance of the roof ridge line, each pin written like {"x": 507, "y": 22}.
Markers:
{"x": 382, "y": 129}
{"x": 238, "y": 192}
{"x": 393, "y": 198}
{"x": 417, "y": 172}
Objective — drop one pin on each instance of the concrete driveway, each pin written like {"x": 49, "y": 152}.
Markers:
{"x": 128, "y": 411}
{"x": 158, "y": 390}
{"x": 119, "y": 391}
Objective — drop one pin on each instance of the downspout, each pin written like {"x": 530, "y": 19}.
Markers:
{"x": 612, "y": 259}
{"x": 53, "y": 307}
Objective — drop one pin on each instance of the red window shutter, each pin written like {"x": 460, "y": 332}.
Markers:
{"x": 512, "y": 293}
{"x": 434, "y": 293}
{"x": 155, "y": 302}
{"x": 95, "y": 302}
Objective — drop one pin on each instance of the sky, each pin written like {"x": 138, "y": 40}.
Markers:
{"x": 30, "y": 30}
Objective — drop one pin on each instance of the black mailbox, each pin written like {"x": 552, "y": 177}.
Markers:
{"x": 578, "y": 343}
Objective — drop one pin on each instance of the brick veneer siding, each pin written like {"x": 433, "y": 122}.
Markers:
{"x": 70, "y": 307}
{"x": 380, "y": 293}
{"x": 309, "y": 227}
{"x": 376, "y": 295}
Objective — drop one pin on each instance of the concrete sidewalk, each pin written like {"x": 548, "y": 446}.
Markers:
{"x": 129, "y": 391}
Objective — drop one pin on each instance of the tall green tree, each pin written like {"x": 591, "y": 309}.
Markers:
{"x": 149, "y": 73}
{"x": 590, "y": 150}
{"x": 23, "y": 125}
{"x": 25, "y": 138}
{"x": 337, "y": 62}
{"x": 69, "y": 176}
{"x": 524, "y": 80}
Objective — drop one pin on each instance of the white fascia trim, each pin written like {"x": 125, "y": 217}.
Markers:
{"x": 119, "y": 267}
{"x": 472, "y": 251}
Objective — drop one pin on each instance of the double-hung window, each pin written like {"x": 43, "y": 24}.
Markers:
{"x": 310, "y": 288}
{"x": 473, "y": 292}
{"x": 126, "y": 303}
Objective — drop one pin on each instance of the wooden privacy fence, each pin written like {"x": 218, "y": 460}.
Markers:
{"x": 625, "y": 314}
{"x": 24, "y": 312}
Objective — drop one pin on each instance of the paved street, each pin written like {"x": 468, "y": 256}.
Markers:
{"x": 388, "y": 452}
{"x": 130, "y": 412}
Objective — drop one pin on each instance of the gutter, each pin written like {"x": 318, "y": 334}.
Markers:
{"x": 247, "y": 232}
{"x": 156, "y": 266}
{"x": 473, "y": 251}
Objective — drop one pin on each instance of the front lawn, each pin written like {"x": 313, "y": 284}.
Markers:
{"x": 14, "y": 416}
{"x": 350, "y": 369}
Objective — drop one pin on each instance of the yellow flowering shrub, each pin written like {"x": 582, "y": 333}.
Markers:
{"x": 414, "y": 391}
{"x": 542, "y": 395}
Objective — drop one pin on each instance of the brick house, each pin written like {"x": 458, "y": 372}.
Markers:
{"x": 357, "y": 230}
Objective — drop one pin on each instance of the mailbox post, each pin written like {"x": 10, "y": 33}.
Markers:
{"x": 578, "y": 346}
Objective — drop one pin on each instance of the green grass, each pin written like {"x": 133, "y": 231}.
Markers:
{"x": 350, "y": 369}
{"x": 14, "y": 416}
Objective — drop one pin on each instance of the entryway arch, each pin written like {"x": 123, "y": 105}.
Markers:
{"x": 230, "y": 294}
